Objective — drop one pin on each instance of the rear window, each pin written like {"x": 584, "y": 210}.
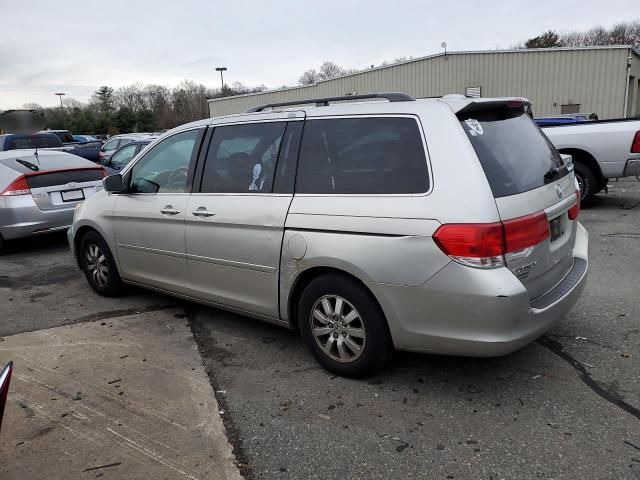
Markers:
{"x": 66, "y": 137}
{"x": 34, "y": 141}
{"x": 62, "y": 178}
{"x": 514, "y": 153}
{"x": 362, "y": 156}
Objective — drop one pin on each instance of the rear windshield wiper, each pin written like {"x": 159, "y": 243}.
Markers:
{"x": 29, "y": 165}
{"x": 554, "y": 173}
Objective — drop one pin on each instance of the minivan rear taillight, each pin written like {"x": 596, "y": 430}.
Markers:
{"x": 575, "y": 210}
{"x": 18, "y": 187}
{"x": 635, "y": 145}
{"x": 483, "y": 245}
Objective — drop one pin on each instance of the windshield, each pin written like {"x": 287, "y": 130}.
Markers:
{"x": 514, "y": 153}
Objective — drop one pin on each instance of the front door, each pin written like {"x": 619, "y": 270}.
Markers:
{"x": 150, "y": 218}
{"x": 235, "y": 220}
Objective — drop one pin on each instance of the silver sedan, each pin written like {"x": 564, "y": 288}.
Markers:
{"x": 40, "y": 189}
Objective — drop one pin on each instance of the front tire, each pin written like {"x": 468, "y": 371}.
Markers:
{"x": 343, "y": 326}
{"x": 98, "y": 265}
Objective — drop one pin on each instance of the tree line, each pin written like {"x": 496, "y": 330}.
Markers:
{"x": 137, "y": 107}
{"x": 623, "y": 33}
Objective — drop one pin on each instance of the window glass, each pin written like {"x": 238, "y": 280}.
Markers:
{"x": 34, "y": 141}
{"x": 362, "y": 156}
{"x": 164, "y": 168}
{"x": 514, "y": 153}
{"x": 242, "y": 158}
{"x": 286, "y": 168}
{"x": 111, "y": 145}
{"x": 123, "y": 157}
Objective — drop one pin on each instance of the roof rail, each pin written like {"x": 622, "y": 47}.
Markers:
{"x": 324, "y": 102}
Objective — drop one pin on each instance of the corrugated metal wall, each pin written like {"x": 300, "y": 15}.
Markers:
{"x": 595, "y": 78}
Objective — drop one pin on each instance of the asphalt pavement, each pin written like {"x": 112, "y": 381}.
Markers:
{"x": 565, "y": 407}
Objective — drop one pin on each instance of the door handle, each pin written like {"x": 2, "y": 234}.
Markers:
{"x": 169, "y": 210}
{"x": 202, "y": 212}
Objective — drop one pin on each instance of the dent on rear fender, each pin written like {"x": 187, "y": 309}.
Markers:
{"x": 408, "y": 261}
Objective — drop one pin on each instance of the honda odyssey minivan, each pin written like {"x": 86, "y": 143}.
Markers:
{"x": 445, "y": 225}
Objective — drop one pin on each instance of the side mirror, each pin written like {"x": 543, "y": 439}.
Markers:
{"x": 113, "y": 183}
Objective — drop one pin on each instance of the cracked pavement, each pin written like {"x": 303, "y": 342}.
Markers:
{"x": 565, "y": 407}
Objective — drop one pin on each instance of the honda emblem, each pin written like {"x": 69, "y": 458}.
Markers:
{"x": 559, "y": 191}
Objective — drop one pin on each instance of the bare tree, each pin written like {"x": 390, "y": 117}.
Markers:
{"x": 131, "y": 96}
{"x": 32, "y": 106}
{"x": 308, "y": 78}
{"x": 71, "y": 102}
{"x": 190, "y": 101}
{"x": 330, "y": 70}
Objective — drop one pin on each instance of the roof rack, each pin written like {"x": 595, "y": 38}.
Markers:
{"x": 324, "y": 102}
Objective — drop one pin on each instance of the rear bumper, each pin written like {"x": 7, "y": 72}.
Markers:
{"x": 632, "y": 168}
{"x": 20, "y": 217}
{"x": 480, "y": 313}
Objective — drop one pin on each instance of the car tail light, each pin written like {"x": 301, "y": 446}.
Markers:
{"x": 483, "y": 245}
{"x": 575, "y": 210}
{"x": 635, "y": 146}
{"x": 524, "y": 232}
{"x": 18, "y": 187}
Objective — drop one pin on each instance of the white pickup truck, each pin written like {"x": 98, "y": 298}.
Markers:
{"x": 600, "y": 150}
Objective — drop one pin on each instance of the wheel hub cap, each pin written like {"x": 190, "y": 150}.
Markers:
{"x": 338, "y": 328}
{"x": 97, "y": 265}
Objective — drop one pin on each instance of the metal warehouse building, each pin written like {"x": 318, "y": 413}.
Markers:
{"x": 604, "y": 80}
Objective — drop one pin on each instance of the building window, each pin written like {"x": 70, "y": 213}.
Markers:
{"x": 570, "y": 108}
{"x": 473, "y": 92}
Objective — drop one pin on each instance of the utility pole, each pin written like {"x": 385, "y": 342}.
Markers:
{"x": 221, "y": 69}
{"x": 60, "y": 94}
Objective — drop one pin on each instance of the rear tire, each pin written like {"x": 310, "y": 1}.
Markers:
{"x": 587, "y": 182}
{"x": 98, "y": 265}
{"x": 2, "y": 245}
{"x": 343, "y": 326}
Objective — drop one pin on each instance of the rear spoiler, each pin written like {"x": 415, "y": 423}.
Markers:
{"x": 462, "y": 105}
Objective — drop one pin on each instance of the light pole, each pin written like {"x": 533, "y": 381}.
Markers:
{"x": 221, "y": 69}
{"x": 60, "y": 94}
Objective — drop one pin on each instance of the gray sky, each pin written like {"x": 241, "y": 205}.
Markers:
{"x": 75, "y": 46}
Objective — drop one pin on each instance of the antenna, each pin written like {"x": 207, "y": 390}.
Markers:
{"x": 35, "y": 154}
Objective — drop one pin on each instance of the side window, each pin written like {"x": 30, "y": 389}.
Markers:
{"x": 362, "y": 156}
{"x": 164, "y": 168}
{"x": 123, "y": 157}
{"x": 242, "y": 158}
{"x": 110, "y": 145}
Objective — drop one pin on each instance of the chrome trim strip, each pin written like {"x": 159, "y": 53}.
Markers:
{"x": 560, "y": 207}
{"x": 155, "y": 251}
{"x": 231, "y": 263}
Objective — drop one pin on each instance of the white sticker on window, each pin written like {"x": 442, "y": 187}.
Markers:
{"x": 257, "y": 170}
{"x": 474, "y": 127}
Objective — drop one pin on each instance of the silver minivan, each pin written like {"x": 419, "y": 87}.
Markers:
{"x": 445, "y": 225}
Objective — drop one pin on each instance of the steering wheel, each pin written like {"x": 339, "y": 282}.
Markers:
{"x": 178, "y": 176}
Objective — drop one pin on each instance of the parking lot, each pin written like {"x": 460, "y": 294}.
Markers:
{"x": 567, "y": 406}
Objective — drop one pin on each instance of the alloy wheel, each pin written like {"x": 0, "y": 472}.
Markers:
{"x": 338, "y": 328}
{"x": 97, "y": 265}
